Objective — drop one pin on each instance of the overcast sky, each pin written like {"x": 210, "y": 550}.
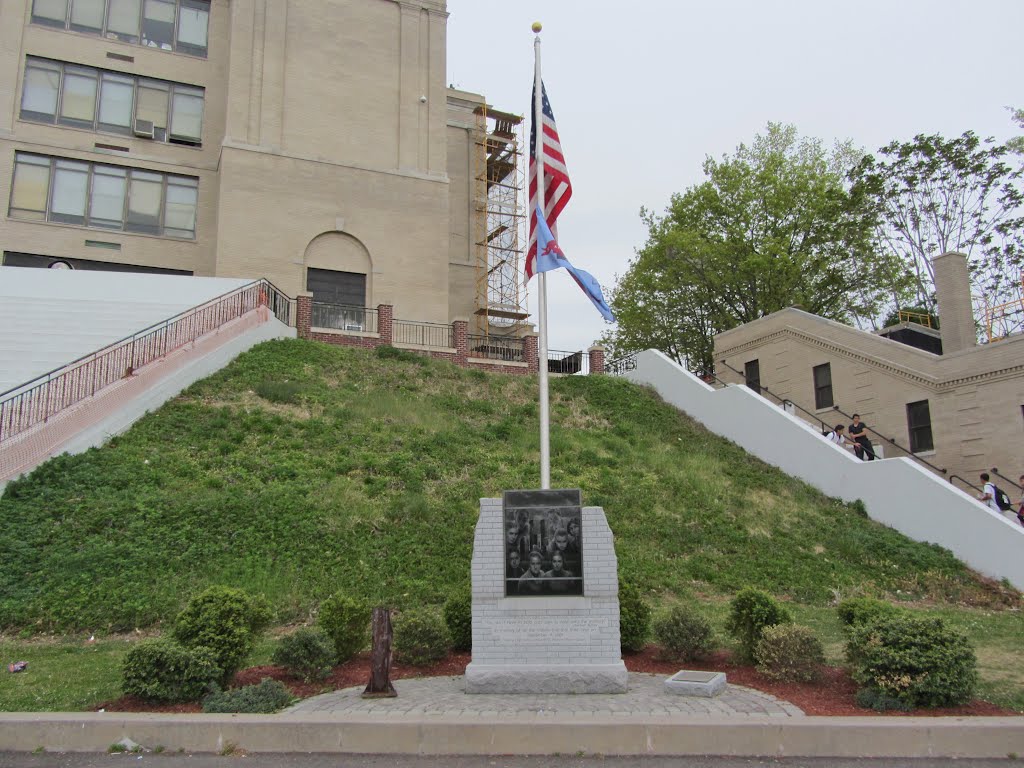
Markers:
{"x": 644, "y": 91}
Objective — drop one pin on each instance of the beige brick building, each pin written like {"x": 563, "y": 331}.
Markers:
{"x": 961, "y": 410}
{"x": 312, "y": 142}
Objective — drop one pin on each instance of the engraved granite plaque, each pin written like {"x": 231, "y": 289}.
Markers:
{"x": 543, "y": 543}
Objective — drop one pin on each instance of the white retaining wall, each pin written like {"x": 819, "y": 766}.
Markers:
{"x": 897, "y": 492}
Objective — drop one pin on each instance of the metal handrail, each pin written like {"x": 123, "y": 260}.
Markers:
{"x": 505, "y": 348}
{"x": 421, "y": 333}
{"x": 995, "y": 471}
{"x": 343, "y": 317}
{"x": 620, "y": 365}
{"x": 965, "y": 482}
{"x": 564, "y": 361}
{"x": 837, "y": 409}
{"x": 35, "y": 401}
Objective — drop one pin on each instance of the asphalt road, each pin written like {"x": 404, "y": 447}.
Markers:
{"x": 89, "y": 760}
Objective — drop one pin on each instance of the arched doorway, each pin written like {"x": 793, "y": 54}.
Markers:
{"x": 339, "y": 273}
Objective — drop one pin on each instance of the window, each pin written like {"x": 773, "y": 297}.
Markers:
{"x": 752, "y": 374}
{"x": 111, "y": 102}
{"x": 823, "y": 386}
{"x": 919, "y": 424}
{"x": 170, "y": 25}
{"x": 105, "y": 196}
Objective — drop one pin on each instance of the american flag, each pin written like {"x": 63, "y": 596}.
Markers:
{"x": 557, "y": 187}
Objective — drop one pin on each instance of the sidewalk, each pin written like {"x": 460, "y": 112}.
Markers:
{"x": 432, "y": 716}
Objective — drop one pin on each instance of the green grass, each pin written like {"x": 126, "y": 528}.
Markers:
{"x": 361, "y": 472}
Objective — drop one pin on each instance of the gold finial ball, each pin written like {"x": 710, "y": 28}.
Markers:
{"x": 536, "y": 27}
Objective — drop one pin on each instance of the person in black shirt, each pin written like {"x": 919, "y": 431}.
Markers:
{"x": 862, "y": 443}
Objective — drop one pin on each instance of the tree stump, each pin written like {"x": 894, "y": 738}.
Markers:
{"x": 380, "y": 686}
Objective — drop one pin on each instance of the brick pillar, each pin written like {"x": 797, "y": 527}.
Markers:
{"x": 596, "y": 355}
{"x": 303, "y": 314}
{"x": 460, "y": 338}
{"x": 530, "y": 353}
{"x": 385, "y": 318}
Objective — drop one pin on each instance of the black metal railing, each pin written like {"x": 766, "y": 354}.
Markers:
{"x": 561, "y": 361}
{"x": 885, "y": 440}
{"x": 620, "y": 365}
{"x": 421, "y": 334}
{"x": 36, "y": 401}
{"x": 995, "y": 471}
{"x": 969, "y": 484}
{"x": 505, "y": 348}
{"x": 343, "y": 317}
{"x": 277, "y": 301}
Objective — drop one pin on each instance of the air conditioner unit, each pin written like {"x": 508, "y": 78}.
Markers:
{"x": 143, "y": 129}
{"x": 353, "y": 326}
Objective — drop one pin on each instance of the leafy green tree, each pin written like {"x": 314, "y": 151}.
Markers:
{"x": 773, "y": 226}
{"x": 1016, "y": 144}
{"x": 931, "y": 195}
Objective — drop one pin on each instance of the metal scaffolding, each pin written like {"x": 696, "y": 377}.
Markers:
{"x": 498, "y": 223}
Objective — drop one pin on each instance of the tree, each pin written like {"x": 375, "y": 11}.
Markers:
{"x": 1016, "y": 144}
{"x": 932, "y": 195}
{"x": 772, "y": 226}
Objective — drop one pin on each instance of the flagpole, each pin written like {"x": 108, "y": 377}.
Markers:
{"x": 542, "y": 285}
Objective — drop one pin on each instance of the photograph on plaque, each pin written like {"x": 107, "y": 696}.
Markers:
{"x": 543, "y": 543}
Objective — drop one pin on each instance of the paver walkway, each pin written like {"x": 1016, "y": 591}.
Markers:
{"x": 446, "y": 697}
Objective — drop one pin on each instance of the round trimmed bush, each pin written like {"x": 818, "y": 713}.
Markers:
{"x": 634, "y": 618}
{"x": 225, "y": 620}
{"x": 458, "y": 615}
{"x": 307, "y": 653}
{"x": 267, "y": 697}
{"x": 162, "y": 670}
{"x": 347, "y": 622}
{"x": 421, "y": 636}
{"x": 915, "y": 661}
{"x": 749, "y": 613}
{"x": 789, "y": 652}
{"x": 683, "y": 634}
{"x": 858, "y": 611}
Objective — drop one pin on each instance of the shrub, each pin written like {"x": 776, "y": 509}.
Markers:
{"x": 458, "y": 615}
{"x": 917, "y": 661}
{"x": 749, "y": 613}
{"x": 421, "y": 637}
{"x": 346, "y": 621}
{"x": 634, "y": 618}
{"x": 226, "y": 621}
{"x": 394, "y": 353}
{"x": 163, "y": 670}
{"x": 789, "y": 652}
{"x": 858, "y": 611}
{"x": 868, "y": 698}
{"x": 267, "y": 697}
{"x": 684, "y": 634}
{"x": 307, "y": 653}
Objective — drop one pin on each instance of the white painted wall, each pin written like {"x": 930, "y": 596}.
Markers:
{"x": 897, "y": 492}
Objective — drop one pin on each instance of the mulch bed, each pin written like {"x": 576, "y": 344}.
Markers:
{"x": 833, "y": 694}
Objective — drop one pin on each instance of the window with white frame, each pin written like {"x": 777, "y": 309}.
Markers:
{"x": 112, "y": 102}
{"x": 105, "y": 196}
{"x": 171, "y": 25}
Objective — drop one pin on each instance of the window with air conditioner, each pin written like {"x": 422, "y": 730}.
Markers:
{"x": 104, "y": 196}
{"x": 112, "y": 102}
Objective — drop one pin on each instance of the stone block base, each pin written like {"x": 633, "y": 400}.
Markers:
{"x": 688, "y": 683}
{"x": 546, "y": 678}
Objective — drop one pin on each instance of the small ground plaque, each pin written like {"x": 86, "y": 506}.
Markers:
{"x": 690, "y": 683}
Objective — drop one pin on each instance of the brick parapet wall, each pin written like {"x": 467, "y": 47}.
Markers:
{"x": 303, "y": 314}
{"x": 385, "y": 323}
{"x": 460, "y": 337}
{"x": 596, "y": 355}
{"x": 531, "y": 353}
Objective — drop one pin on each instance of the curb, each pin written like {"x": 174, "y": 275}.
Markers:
{"x": 543, "y": 734}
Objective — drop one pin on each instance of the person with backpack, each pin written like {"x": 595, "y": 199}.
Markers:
{"x": 1020, "y": 506}
{"x": 996, "y": 499}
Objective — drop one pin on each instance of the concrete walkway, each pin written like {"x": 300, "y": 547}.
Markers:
{"x": 437, "y": 696}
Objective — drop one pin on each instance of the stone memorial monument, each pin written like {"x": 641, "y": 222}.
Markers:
{"x": 545, "y": 597}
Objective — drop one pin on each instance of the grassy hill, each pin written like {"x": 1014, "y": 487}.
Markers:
{"x": 302, "y": 469}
